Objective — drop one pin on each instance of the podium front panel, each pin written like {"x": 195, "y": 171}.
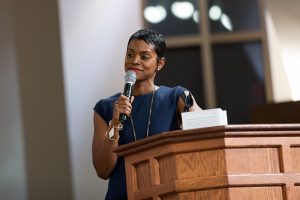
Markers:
{"x": 231, "y": 163}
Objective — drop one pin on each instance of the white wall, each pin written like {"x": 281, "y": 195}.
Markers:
{"x": 94, "y": 38}
{"x": 283, "y": 34}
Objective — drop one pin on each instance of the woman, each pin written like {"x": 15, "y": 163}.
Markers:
{"x": 151, "y": 110}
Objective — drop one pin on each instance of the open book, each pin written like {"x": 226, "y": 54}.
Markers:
{"x": 204, "y": 118}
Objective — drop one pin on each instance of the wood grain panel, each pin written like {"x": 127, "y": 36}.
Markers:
{"x": 167, "y": 168}
{"x": 255, "y": 193}
{"x": 143, "y": 176}
{"x": 200, "y": 164}
{"x": 170, "y": 197}
{"x": 247, "y": 193}
{"x": 296, "y": 193}
{"x": 295, "y": 151}
{"x": 219, "y": 194}
{"x": 252, "y": 160}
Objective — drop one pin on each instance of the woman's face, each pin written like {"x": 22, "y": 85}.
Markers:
{"x": 141, "y": 58}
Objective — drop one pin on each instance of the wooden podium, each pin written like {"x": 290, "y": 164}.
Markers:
{"x": 234, "y": 162}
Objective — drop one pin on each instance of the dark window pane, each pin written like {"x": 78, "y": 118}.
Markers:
{"x": 239, "y": 77}
{"x": 183, "y": 67}
{"x": 242, "y": 15}
{"x": 173, "y": 25}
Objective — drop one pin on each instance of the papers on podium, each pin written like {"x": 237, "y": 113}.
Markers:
{"x": 204, "y": 118}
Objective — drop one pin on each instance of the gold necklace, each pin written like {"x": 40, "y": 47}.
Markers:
{"x": 149, "y": 118}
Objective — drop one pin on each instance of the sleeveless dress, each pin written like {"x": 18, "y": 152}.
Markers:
{"x": 163, "y": 118}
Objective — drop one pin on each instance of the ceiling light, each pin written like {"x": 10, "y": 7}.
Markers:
{"x": 182, "y": 10}
{"x": 196, "y": 16}
{"x": 215, "y": 12}
{"x": 226, "y": 22}
{"x": 155, "y": 14}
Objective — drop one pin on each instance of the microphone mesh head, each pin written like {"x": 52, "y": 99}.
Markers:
{"x": 130, "y": 77}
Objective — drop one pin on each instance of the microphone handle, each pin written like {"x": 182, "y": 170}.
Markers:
{"x": 127, "y": 92}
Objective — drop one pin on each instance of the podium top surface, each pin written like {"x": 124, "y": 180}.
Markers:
{"x": 228, "y": 131}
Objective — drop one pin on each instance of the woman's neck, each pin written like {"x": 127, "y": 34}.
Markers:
{"x": 142, "y": 88}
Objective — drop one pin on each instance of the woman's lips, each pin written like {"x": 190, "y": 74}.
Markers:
{"x": 135, "y": 69}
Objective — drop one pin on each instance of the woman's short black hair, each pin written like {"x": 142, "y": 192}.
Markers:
{"x": 151, "y": 37}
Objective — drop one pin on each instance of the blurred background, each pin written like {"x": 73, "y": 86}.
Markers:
{"x": 58, "y": 58}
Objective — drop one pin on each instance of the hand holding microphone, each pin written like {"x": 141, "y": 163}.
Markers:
{"x": 130, "y": 79}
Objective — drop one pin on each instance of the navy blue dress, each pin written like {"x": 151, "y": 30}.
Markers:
{"x": 163, "y": 118}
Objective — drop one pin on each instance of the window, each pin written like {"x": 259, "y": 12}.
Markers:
{"x": 216, "y": 48}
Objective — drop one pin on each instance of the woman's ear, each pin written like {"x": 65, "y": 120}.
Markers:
{"x": 161, "y": 63}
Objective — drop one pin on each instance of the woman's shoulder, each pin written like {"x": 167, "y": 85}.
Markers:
{"x": 110, "y": 99}
{"x": 172, "y": 94}
{"x": 171, "y": 90}
{"x": 106, "y": 102}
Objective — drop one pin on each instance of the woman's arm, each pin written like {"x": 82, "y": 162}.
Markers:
{"x": 181, "y": 105}
{"x": 104, "y": 159}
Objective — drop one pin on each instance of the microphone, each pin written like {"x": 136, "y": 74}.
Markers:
{"x": 130, "y": 79}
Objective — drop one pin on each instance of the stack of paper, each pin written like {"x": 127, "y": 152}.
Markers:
{"x": 204, "y": 118}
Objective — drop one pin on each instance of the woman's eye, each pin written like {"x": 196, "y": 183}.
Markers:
{"x": 145, "y": 57}
{"x": 130, "y": 55}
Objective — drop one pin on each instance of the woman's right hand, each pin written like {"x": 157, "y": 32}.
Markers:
{"x": 122, "y": 105}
